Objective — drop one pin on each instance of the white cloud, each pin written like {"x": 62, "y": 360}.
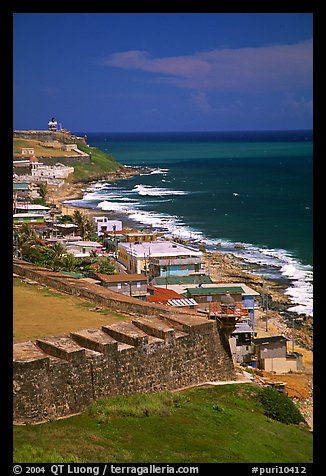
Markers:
{"x": 265, "y": 68}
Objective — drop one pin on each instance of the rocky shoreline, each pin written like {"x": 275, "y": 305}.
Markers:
{"x": 220, "y": 265}
{"x": 226, "y": 267}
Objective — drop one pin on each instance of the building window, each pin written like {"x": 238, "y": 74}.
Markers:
{"x": 119, "y": 285}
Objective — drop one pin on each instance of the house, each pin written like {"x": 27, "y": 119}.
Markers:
{"x": 24, "y": 191}
{"x": 240, "y": 343}
{"x": 169, "y": 297}
{"x": 140, "y": 236}
{"x": 272, "y": 355}
{"x": 20, "y": 218}
{"x": 182, "y": 280}
{"x": 134, "y": 285}
{"x": 103, "y": 224}
{"x": 57, "y": 171}
{"x": 213, "y": 295}
{"x": 83, "y": 249}
{"x": 27, "y": 151}
{"x": 61, "y": 232}
{"x": 33, "y": 208}
{"x": 160, "y": 258}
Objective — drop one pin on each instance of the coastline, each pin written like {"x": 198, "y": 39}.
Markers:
{"x": 222, "y": 266}
{"x": 227, "y": 267}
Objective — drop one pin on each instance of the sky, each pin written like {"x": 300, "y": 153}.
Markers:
{"x": 162, "y": 72}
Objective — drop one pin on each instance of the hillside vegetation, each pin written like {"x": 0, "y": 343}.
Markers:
{"x": 222, "y": 424}
{"x": 100, "y": 165}
{"x": 39, "y": 149}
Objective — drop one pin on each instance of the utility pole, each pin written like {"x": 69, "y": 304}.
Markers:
{"x": 267, "y": 311}
{"x": 292, "y": 335}
{"x": 263, "y": 293}
{"x": 221, "y": 267}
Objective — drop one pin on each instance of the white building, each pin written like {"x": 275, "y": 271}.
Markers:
{"x": 104, "y": 224}
{"x": 82, "y": 249}
{"x": 160, "y": 258}
{"x": 57, "y": 171}
{"x": 32, "y": 208}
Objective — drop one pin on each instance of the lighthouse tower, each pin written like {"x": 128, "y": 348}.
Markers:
{"x": 53, "y": 125}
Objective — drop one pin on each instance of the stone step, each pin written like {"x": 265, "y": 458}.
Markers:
{"x": 62, "y": 347}
{"x": 155, "y": 327}
{"x": 126, "y": 332}
{"x": 95, "y": 339}
{"x": 27, "y": 354}
{"x": 188, "y": 323}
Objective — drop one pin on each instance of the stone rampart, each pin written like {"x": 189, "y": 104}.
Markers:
{"x": 49, "y": 136}
{"x": 58, "y": 376}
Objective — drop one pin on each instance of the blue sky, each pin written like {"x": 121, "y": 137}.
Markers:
{"x": 121, "y": 72}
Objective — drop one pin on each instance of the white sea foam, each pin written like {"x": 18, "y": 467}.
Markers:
{"x": 156, "y": 191}
{"x": 279, "y": 262}
{"x": 156, "y": 171}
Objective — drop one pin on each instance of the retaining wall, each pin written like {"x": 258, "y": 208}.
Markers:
{"x": 58, "y": 376}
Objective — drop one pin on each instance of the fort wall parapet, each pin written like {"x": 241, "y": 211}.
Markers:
{"x": 58, "y": 376}
{"x": 48, "y": 136}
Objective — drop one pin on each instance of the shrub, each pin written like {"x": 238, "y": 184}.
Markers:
{"x": 279, "y": 406}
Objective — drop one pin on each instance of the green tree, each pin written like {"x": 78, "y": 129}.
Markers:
{"x": 69, "y": 262}
{"x": 105, "y": 266}
{"x": 43, "y": 190}
{"x": 58, "y": 251}
{"x": 85, "y": 225}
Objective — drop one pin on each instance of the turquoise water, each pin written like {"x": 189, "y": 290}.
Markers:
{"x": 250, "y": 188}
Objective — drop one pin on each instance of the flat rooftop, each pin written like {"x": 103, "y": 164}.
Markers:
{"x": 158, "y": 249}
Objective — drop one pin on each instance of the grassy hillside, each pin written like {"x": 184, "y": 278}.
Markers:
{"x": 215, "y": 424}
{"x": 35, "y": 305}
{"x": 101, "y": 164}
{"x": 39, "y": 149}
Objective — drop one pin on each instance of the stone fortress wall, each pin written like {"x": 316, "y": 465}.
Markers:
{"x": 159, "y": 349}
{"x": 51, "y": 136}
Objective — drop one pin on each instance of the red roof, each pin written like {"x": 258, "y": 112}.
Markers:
{"x": 33, "y": 159}
{"x": 163, "y": 295}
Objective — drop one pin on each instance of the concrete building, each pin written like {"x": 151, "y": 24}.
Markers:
{"x": 134, "y": 285}
{"x": 210, "y": 295}
{"x": 240, "y": 343}
{"x": 160, "y": 258}
{"x": 57, "y": 171}
{"x": 20, "y": 218}
{"x": 27, "y": 151}
{"x": 82, "y": 249}
{"x": 103, "y": 224}
{"x": 272, "y": 355}
{"x": 33, "y": 208}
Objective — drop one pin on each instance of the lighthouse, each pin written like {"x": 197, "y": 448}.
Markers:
{"x": 53, "y": 125}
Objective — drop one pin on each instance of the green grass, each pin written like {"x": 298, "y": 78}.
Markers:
{"x": 216, "y": 424}
{"x": 101, "y": 163}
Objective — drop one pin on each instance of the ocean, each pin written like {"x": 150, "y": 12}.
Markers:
{"x": 224, "y": 188}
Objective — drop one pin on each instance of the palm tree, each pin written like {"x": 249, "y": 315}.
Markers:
{"x": 58, "y": 250}
{"x": 24, "y": 238}
{"x": 69, "y": 262}
{"x": 85, "y": 224}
